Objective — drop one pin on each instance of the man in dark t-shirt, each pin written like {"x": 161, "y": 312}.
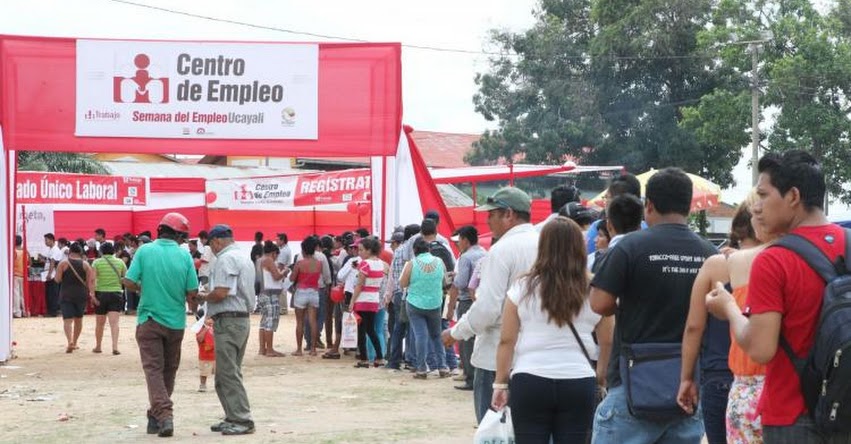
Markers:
{"x": 645, "y": 281}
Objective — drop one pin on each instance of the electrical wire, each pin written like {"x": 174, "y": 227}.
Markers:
{"x": 405, "y": 45}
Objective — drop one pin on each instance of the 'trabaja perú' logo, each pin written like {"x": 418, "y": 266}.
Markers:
{"x": 141, "y": 88}
{"x": 243, "y": 193}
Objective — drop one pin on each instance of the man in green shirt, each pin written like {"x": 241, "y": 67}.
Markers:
{"x": 109, "y": 270}
{"x": 164, "y": 274}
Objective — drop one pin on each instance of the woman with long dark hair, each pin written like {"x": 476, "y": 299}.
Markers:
{"x": 546, "y": 333}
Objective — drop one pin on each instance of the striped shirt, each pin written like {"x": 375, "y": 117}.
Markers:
{"x": 369, "y": 299}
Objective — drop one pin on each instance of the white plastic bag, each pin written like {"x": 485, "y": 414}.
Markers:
{"x": 495, "y": 428}
{"x": 196, "y": 327}
{"x": 350, "y": 331}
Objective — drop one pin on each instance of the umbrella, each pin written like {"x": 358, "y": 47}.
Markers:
{"x": 705, "y": 194}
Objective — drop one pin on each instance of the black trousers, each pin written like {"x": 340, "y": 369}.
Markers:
{"x": 367, "y": 328}
{"x": 51, "y": 295}
{"x": 543, "y": 409}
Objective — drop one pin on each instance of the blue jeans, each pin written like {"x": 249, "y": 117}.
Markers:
{"x": 410, "y": 343}
{"x": 451, "y": 357}
{"x": 380, "y": 329}
{"x": 482, "y": 392}
{"x": 397, "y": 335}
{"x": 614, "y": 424}
{"x": 714, "y": 393}
{"x": 427, "y": 330}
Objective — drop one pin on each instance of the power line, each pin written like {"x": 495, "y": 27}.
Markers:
{"x": 405, "y": 45}
{"x": 297, "y": 32}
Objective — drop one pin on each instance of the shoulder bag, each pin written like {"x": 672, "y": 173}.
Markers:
{"x": 650, "y": 374}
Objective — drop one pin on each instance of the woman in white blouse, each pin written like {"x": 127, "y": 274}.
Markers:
{"x": 547, "y": 344}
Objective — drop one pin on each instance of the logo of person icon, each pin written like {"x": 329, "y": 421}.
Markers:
{"x": 142, "y": 87}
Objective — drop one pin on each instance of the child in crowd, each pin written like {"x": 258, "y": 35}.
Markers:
{"x": 206, "y": 353}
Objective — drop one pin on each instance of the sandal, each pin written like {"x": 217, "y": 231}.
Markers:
{"x": 362, "y": 364}
{"x": 380, "y": 363}
{"x": 330, "y": 355}
{"x": 116, "y": 352}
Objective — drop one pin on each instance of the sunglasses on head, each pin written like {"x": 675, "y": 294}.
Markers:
{"x": 501, "y": 203}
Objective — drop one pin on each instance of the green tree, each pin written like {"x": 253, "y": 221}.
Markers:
{"x": 804, "y": 72}
{"x": 613, "y": 82}
{"x": 653, "y": 83}
{"x": 59, "y": 162}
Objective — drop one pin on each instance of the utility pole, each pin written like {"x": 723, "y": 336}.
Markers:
{"x": 754, "y": 47}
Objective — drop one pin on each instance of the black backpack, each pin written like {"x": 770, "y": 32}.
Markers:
{"x": 825, "y": 373}
{"x": 440, "y": 250}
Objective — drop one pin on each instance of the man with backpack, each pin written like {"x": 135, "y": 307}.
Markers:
{"x": 791, "y": 318}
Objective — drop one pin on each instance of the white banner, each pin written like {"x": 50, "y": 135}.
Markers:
{"x": 268, "y": 193}
{"x": 303, "y": 190}
{"x": 197, "y": 90}
{"x": 39, "y": 222}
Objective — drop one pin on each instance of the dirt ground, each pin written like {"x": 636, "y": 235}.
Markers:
{"x": 294, "y": 400}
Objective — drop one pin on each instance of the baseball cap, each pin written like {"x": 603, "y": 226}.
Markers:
{"x": 397, "y": 236}
{"x": 508, "y": 197}
{"x": 578, "y": 212}
{"x": 432, "y": 214}
{"x": 220, "y": 231}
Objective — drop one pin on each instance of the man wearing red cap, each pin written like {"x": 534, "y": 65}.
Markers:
{"x": 165, "y": 276}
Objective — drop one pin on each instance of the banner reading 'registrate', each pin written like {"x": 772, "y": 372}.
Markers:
{"x": 197, "y": 90}
{"x": 273, "y": 193}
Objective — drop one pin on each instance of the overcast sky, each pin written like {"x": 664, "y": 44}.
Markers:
{"x": 437, "y": 85}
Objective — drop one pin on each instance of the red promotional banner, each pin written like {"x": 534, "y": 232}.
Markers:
{"x": 80, "y": 189}
{"x": 334, "y": 187}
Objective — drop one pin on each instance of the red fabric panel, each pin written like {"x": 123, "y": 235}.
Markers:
{"x": 297, "y": 224}
{"x": 177, "y": 185}
{"x": 76, "y": 224}
{"x": 541, "y": 208}
{"x": 430, "y": 198}
{"x": 360, "y": 104}
{"x": 149, "y": 220}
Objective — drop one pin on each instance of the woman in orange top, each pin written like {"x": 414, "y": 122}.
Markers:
{"x": 742, "y": 423}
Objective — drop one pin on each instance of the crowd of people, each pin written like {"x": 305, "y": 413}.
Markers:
{"x": 622, "y": 326}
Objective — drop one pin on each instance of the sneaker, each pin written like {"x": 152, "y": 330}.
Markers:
{"x": 238, "y": 429}
{"x": 202, "y": 388}
{"x": 460, "y": 377}
{"x": 218, "y": 427}
{"x": 444, "y": 374}
{"x": 166, "y": 428}
{"x": 456, "y": 372}
{"x": 153, "y": 425}
{"x": 419, "y": 375}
